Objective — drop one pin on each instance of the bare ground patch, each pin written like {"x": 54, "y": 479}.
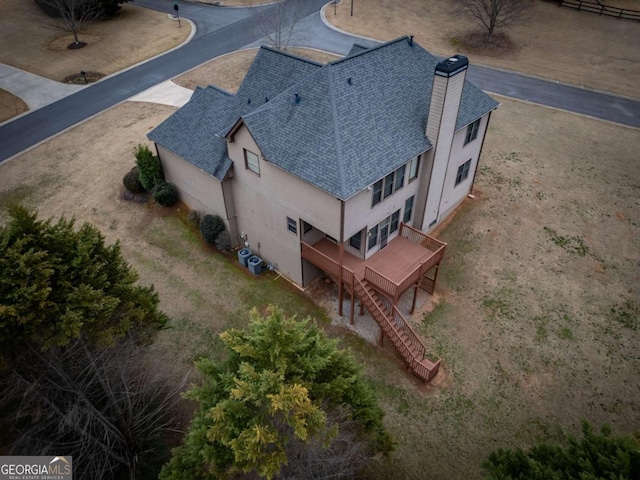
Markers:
{"x": 557, "y": 43}
{"x": 10, "y": 106}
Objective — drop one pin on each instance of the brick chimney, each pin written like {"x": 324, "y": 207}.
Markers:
{"x": 443, "y": 111}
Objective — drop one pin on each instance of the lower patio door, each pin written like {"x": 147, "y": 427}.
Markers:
{"x": 384, "y": 233}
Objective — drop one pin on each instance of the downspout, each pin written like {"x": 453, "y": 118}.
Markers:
{"x": 341, "y": 259}
{"x": 475, "y": 172}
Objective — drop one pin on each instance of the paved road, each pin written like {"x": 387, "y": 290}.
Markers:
{"x": 313, "y": 32}
{"x": 222, "y": 30}
{"x": 39, "y": 125}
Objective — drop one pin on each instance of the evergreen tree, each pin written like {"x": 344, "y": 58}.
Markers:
{"x": 278, "y": 389}
{"x": 595, "y": 456}
{"x": 59, "y": 284}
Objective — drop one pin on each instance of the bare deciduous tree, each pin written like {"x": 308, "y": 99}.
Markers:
{"x": 72, "y": 16}
{"x": 277, "y": 21}
{"x": 492, "y": 14}
{"x": 105, "y": 407}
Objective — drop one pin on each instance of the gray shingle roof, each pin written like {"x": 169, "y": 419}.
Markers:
{"x": 195, "y": 132}
{"x": 191, "y": 131}
{"x": 358, "y": 118}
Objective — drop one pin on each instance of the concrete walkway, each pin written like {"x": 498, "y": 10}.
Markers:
{"x": 34, "y": 90}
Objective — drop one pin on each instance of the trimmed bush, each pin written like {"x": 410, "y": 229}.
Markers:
{"x": 223, "y": 242}
{"x": 165, "y": 194}
{"x": 194, "y": 218}
{"x": 211, "y": 226}
{"x": 131, "y": 181}
{"x": 149, "y": 166}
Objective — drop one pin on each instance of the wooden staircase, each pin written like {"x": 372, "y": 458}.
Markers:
{"x": 395, "y": 327}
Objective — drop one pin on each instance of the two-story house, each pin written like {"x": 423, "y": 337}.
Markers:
{"x": 339, "y": 168}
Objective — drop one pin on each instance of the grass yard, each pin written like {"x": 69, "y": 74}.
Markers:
{"x": 538, "y": 312}
{"x": 10, "y": 105}
{"x": 28, "y": 41}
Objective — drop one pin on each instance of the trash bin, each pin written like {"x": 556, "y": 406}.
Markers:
{"x": 255, "y": 265}
{"x": 243, "y": 256}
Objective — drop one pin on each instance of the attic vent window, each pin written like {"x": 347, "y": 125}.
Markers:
{"x": 297, "y": 100}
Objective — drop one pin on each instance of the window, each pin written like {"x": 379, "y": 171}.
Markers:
{"x": 463, "y": 171}
{"x": 395, "y": 219}
{"x": 373, "y": 237}
{"x": 472, "y": 131}
{"x": 413, "y": 167}
{"x": 388, "y": 184}
{"x": 408, "y": 210}
{"x": 377, "y": 193}
{"x": 292, "y": 226}
{"x": 306, "y": 227}
{"x": 251, "y": 162}
{"x": 356, "y": 241}
{"x": 400, "y": 177}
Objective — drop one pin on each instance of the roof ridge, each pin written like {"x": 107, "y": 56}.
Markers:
{"x": 336, "y": 134}
{"x": 369, "y": 50}
{"x": 291, "y": 55}
{"x": 221, "y": 90}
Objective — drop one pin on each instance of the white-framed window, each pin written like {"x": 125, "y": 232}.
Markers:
{"x": 377, "y": 193}
{"x": 395, "y": 221}
{"x": 408, "y": 209}
{"x": 463, "y": 172}
{"x": 472, "y": 131}
{"x": 373, "y": 237}
{"x": 356, "y": 240}
{"x": 292, "y": 225}
{"x": 400, "y": 177}
{"x": 251, "y": 162}
{"x": 393, "y": 182}
{"x": 414, "y": 166}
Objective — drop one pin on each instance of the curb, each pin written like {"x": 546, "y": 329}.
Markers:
{"x": 343, "y": 32}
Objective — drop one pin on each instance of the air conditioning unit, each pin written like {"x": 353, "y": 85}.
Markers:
{"x": 255, "y": 265}
{"x": 243, "y": 256}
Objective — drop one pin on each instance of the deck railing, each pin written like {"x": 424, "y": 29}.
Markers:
{"x": 420, "y": 238}
{"x": 326, "y": 263}
{"x": 397, "y": 329}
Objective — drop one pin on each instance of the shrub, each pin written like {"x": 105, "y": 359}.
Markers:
{"x": 132, "y": 181}
{"x": 194, "y": 218}
{"x": 165, "y": 194}
{"x": 211, "y": 226}
{"x": 223, "y": 242}
{"x": 149, "y": 166}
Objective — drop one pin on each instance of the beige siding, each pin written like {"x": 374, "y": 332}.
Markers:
{"x": 453, "y": 194}
{"x": 198, "y": 190}
{"x": 359, "y": 214}
{"x": 440, "y": 130}
{"x": 424, "y": 178}
{"x": 264, "y": 202}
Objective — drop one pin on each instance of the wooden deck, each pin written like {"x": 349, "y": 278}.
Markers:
{"x": 394, "y": 262}
{"x": 402, "y": 264}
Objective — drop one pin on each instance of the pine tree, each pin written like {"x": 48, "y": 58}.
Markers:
{"x": 278, "y": 388}
{"x": 59, "y": 283}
